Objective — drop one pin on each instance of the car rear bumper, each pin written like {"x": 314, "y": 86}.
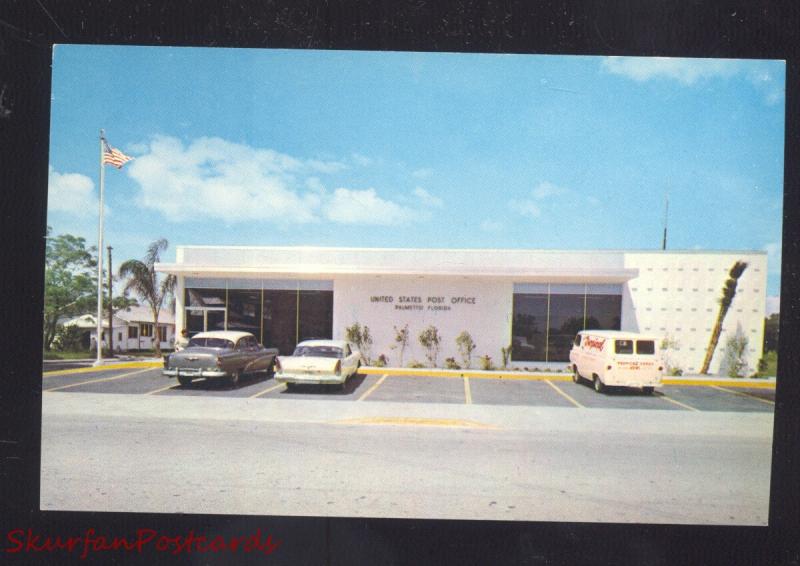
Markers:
{"x": 318, "y": 379}
{"x": 192, "y": 372}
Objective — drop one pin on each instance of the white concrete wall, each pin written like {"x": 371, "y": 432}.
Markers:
{"x": 488, "y": 320}
{"x": 676, "y": 295}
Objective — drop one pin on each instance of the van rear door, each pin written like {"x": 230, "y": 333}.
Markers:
{"x": 635, "y": 360}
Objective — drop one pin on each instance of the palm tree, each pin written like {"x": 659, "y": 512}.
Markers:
{"x": 142, "y": 279}
{"x": 728, "y": 293}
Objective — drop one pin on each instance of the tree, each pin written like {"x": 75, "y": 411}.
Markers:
{"x": 728, "y": 293}
{"x": 466, "y": 345}
{"x": 361, "y": 337}
{"x": 771, "y": 332}
{"x": 734, "y": 360}
{"x": 70, "y": 281}
{"x": 430, "y": 340}
{"x": 401, "y": 341}
{"x": 143, "y": 280}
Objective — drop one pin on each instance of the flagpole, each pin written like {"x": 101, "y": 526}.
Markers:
{"x": 99, "y": 340}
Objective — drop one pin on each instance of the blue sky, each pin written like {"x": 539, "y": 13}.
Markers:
{"x": 343, "y": 148}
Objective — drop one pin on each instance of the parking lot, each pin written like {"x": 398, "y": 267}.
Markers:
{"x": 375, "y": 386}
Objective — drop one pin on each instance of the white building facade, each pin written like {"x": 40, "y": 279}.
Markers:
{"x": 532, "y": 300}
{"x": 133, "y": 329}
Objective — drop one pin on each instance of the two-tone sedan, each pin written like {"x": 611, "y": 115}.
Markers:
{"x": 219, "y": 354}
{"x": 318, "y": 362}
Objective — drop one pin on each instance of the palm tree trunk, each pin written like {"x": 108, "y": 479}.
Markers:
{"x": 156, "y": 337}
{"x": 712, "y": 343}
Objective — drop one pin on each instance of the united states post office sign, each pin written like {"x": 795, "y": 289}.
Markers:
{"x": 420, "y": 303}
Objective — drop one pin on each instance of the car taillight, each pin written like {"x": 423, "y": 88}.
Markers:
{"x": 338, "y": 369}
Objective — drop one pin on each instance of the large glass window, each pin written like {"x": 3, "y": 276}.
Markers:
{"x": 529, "y": 327}
{"x": 603, "y": 312}
{"x": 244, "y": 311}
{"x": 546, "y": 318}
{"x": 566, "y": 319}
{"x": 280, "y": 320}
{"x": 316, "y": 315}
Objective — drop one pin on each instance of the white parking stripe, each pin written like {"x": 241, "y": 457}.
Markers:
{"x": 273, "y": 388}
{"x": 100, "y": 379}
{"x": 743, "y": 394}
{"x": 671, "y": 400}
{"x": 373, "y": 388}
{"x": 567, "y": 397}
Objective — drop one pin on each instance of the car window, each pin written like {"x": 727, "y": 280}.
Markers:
{"x": 211, "y": 343}
{"x": 645, "y": 347}
{"x": 623, "y": 346}
{"x": 319, "y": 351}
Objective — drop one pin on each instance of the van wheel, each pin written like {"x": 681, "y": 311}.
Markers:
{"x": 648, "y": 390}
{"x": 576, "y": 377}
{"x": 184, "y": 380}
{"x": 598, "y": 385}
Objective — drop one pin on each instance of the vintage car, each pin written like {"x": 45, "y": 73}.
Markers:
{"x": 318, "y": 362}
{"x": 219, "y": 354}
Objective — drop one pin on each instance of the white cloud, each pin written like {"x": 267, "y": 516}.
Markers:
{"x": 690, "y": 71}
{"x": 428, "y": 199}
{"x": 685, "y": 71}
{"x": 361, "y": 160}
{"x": 212, "y": 178}
{"x": 423, "y": 173}
{"x": 546, "y": 189}
{"x": 72, "y": 193}
{"x": 533, "y": 206}
{"x": 349, "y": 206}
{"x": 491, "y": 226}
{"x": 326, "y": 166}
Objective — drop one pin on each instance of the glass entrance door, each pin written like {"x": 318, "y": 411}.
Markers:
{"x": 204, "y": 319}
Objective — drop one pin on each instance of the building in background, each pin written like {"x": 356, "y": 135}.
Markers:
{"x": 133, "y": 329}
{"x": 534, "y": 299}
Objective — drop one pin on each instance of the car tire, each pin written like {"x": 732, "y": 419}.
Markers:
{"x": 184, "y": 380}
{"x": 576, "y": 377}
{"x": 648, "y": 390}
{"x": 291, "y": 387}
{"x": 599, "y": 386}
{"x": 235, "y": 377}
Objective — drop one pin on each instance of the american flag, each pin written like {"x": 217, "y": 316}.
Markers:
{"x": 113, "y": 156}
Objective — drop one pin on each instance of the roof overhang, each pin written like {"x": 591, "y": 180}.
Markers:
{"x": 534, "y": 275}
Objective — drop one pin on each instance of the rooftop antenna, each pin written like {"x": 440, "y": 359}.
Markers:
{"x": 666, "y": 216}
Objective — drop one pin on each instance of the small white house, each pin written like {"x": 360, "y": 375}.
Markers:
{"x": 133, "y": 329}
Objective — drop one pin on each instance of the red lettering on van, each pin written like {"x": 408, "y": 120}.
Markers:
{"x": 594, "y": 343}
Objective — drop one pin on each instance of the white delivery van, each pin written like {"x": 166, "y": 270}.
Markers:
{"x": 616, "y": 358}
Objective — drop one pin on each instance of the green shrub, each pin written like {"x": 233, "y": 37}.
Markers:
{"x": 401, "y": 341}
{"x": 466, "y": 345}
{"x": 506, "y": 353}
{"x": 450, "y": 363}
{"x": 486, "y": 362}
{"x": 361, "y": 337}
{"x": 381, "y": 362}
{"x": 68, "y": 339}
{"x": 430, "y": 340}
{"x": 416, "y": 364}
